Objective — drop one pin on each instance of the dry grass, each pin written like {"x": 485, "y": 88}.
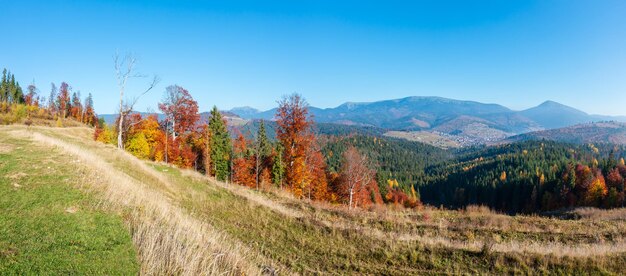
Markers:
{"x": 596, "y": 214}
{"x": 4, "y": 148}
{"x": 168, "y": 240}
{"x": 251, "y": 195}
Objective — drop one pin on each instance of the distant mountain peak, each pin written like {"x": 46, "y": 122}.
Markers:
{"x": 556, "y": 106}
{"x": 245, "y": 112}
{"x": 551, "y": 104}
{"x": 244, "y": 108}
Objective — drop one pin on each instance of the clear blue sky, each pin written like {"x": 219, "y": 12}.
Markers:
{"x": 233, "y": 53}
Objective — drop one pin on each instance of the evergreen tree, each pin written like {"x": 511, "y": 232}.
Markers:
{"x": 89, "y": 116}
{"x": 52, "y": 98}
{"x": 4, "y": 88}
{"x": 262, "y": 152}
{"x": 278, "y": 166}
{"x": 18, "y": 96}
{"x": 263, "y": 145}
{"x": 220, "y": 146}
{"x": 12, "y": 88}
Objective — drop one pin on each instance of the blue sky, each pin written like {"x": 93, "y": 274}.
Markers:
{"x": 235, "y": 53}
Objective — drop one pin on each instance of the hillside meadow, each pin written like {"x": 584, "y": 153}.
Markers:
{"x": 107, "y": 212}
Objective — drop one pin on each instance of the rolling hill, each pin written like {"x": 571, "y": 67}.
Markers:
{"x": 163, "y": 220}
{"x": 600, "y": 132}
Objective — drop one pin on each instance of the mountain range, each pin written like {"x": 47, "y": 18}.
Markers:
{"x": 437, "y": 119}
{"x": 444, "y": 115}
{"x": 595, "y": 133}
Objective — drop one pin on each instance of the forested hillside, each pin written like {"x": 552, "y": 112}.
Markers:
{"x": 394, "y": 159}
{"x": 530, "y": 176}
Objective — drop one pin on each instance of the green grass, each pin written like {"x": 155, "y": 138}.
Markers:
{"x": 47, "y": 226}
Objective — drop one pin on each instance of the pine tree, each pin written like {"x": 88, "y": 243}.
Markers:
{"x": 4, "y": 88}
{"x": 89, "y": 116}
{"x": 12, "y": 88}
{"x": 262, "y": 151}
{"x": 76, "y": 109}
{"x": 278, "y": 166}
{"x": 18, "y": 97}
{"x": 52, "y": 99}
{"x": 219, "y": 145}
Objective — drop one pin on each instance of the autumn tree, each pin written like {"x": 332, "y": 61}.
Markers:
{"x": 76, "y": 110}
{"x": 596, "y": 191}
{"x": 219, "y": 146}
{"x": 138, "y": 146}
{"x": 356, "y": 177}
{"x": 316, "y": 174}
{"x": 89, "y": 116}
{"x": 181, "y": 115}
{"x": 243, "y": 171}
{"x": 180, "y": 109}
{"x": 63, "y": 99}
{"x": 31, "y": 96}
{"x": 292, "y": 118}
{"x": 144, "y": 136}
{"x": 52, "y": 107}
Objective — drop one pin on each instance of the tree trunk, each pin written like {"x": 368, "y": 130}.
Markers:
{"x": 173, "y": 130}
{"x": 166, "y": 143}
{"x": 256, "y": 171}
{"x": 350, "y": 202}
{"x": 120, "y": 144}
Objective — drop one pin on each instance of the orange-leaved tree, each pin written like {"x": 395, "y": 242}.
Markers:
{"x": 293, "y": 132}
{"x": 243, "y": 164}
{"x": 358, "y": 179}
{"x": 317, "y": 180}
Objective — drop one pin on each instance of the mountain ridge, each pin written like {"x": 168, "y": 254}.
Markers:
{"x": 432, "y": 112}
{"x": 463, "y": 119}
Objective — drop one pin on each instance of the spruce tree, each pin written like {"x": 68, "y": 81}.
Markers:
{"x": 278, "y": 168}
{"x": 262, "y": 151}
{"x": 220, "y": 146}
{"x": 52, "y": 99}
{"x": 12, "y": 89}
{"x": 4, "y": 88}
{"x": 19, "y": 94}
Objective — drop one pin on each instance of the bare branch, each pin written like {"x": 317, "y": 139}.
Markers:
{"x": 155, "y": 81}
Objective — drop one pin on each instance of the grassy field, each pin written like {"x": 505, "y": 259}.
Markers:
{"x": 47, "y": 226}
{"x": 430, "y": 138}
{"x": 181, "y": 222}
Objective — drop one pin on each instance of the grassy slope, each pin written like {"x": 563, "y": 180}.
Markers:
{"x": 48, "y": 227}
{"x": 307, "y": 238}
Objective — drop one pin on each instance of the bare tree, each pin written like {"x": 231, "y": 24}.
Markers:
{"x": 124, "y": 70}
{"x": 356, "y": 173}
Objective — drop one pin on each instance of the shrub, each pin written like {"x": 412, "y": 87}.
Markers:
{"x": 19, "y": 112}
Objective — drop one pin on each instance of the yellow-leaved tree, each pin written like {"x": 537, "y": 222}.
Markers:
{"x": 138, "y": 146}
